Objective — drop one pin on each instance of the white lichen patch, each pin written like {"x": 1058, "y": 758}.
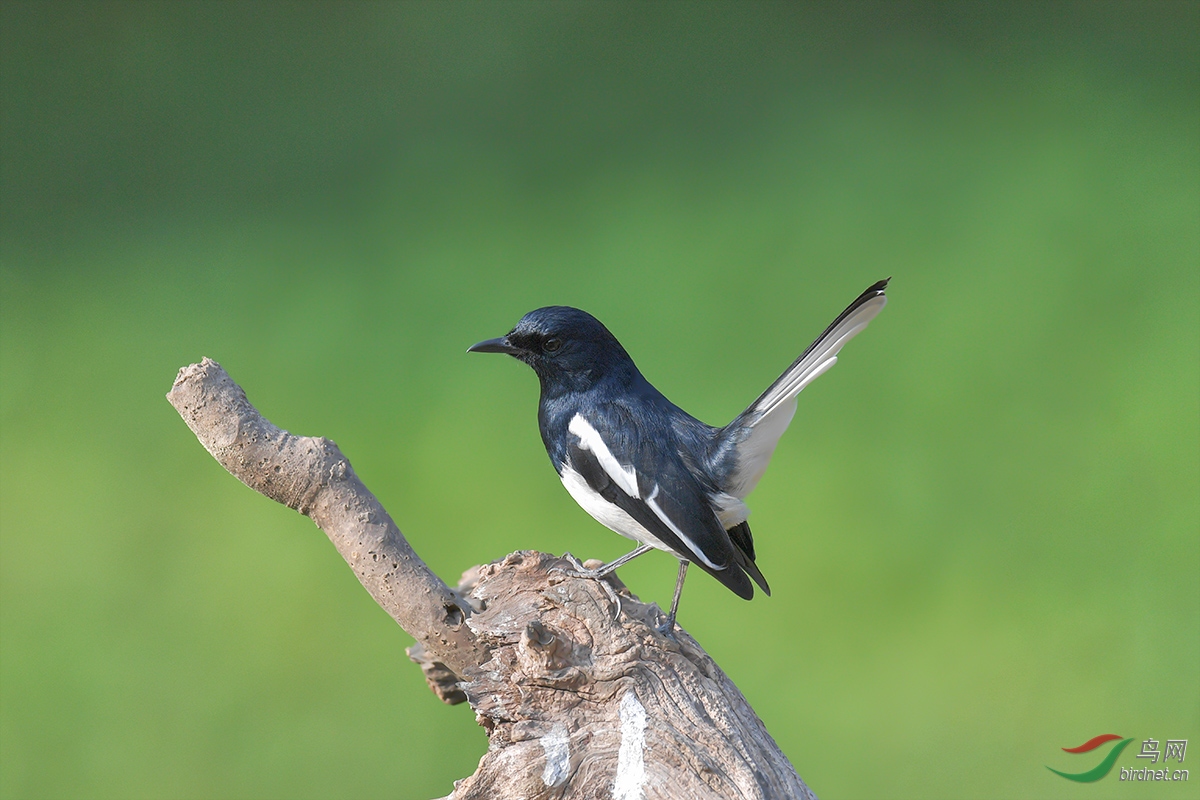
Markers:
{"x": 631, "y": 767}
{"x": 557, "y": 746}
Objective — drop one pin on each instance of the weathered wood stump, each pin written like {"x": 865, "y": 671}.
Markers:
{"x": 581, "y": 695}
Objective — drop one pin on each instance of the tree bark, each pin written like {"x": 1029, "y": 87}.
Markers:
{"x": 580, "y": 695}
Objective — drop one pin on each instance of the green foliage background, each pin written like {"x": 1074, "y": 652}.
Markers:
{"x": 983, "y": 529}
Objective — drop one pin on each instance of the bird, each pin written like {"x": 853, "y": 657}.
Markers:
{"x": 645, "y": 468}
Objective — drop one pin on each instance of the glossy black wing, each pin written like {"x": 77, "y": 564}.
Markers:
{"x": 656, "y": 491}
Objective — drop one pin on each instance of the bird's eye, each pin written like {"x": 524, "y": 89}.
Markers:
{"x": 551, "y": 345}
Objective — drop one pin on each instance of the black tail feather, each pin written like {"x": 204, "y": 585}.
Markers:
{"x": 743, "y": 544}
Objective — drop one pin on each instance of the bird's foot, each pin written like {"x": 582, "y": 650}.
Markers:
{"x": 580, "y": 571}
{"x": 666, "y": 628}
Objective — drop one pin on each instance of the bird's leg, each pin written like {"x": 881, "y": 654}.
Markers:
{"x": 610, "y": 567}
{"x": 669, "y": 627}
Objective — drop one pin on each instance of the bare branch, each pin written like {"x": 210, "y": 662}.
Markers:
{"x": 311, "y": 475}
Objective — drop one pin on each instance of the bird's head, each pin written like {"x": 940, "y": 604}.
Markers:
{"x": 569, "y": 349}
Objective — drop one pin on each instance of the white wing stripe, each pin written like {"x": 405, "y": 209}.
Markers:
{"x": 683, "y": 537}
{"x": 589, "y": 439}
{"x": 626, "y": 478}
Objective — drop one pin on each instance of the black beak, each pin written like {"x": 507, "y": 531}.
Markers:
{"x": 500, "y": 345}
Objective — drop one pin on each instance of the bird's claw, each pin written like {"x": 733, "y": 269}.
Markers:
{"x": 597, "y": 575}
{"x": 580, "y": 571}
{"x": 667, "y": 628}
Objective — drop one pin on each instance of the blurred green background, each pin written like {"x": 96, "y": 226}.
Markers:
{"x": 982, "y": 530}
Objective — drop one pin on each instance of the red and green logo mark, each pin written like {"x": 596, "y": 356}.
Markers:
{"x": 1100, "y": 770}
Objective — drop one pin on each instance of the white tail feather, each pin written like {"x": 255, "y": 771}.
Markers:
{"x": 757, "y": 429}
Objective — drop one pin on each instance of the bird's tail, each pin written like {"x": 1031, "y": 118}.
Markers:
{"x": 743, "y": 545}
{"x": 745, "y": 445}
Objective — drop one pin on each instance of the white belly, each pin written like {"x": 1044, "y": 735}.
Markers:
{"x": 610, "y": 516}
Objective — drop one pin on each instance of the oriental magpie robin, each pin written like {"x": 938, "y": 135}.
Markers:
{"x": 646, "y": 468}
